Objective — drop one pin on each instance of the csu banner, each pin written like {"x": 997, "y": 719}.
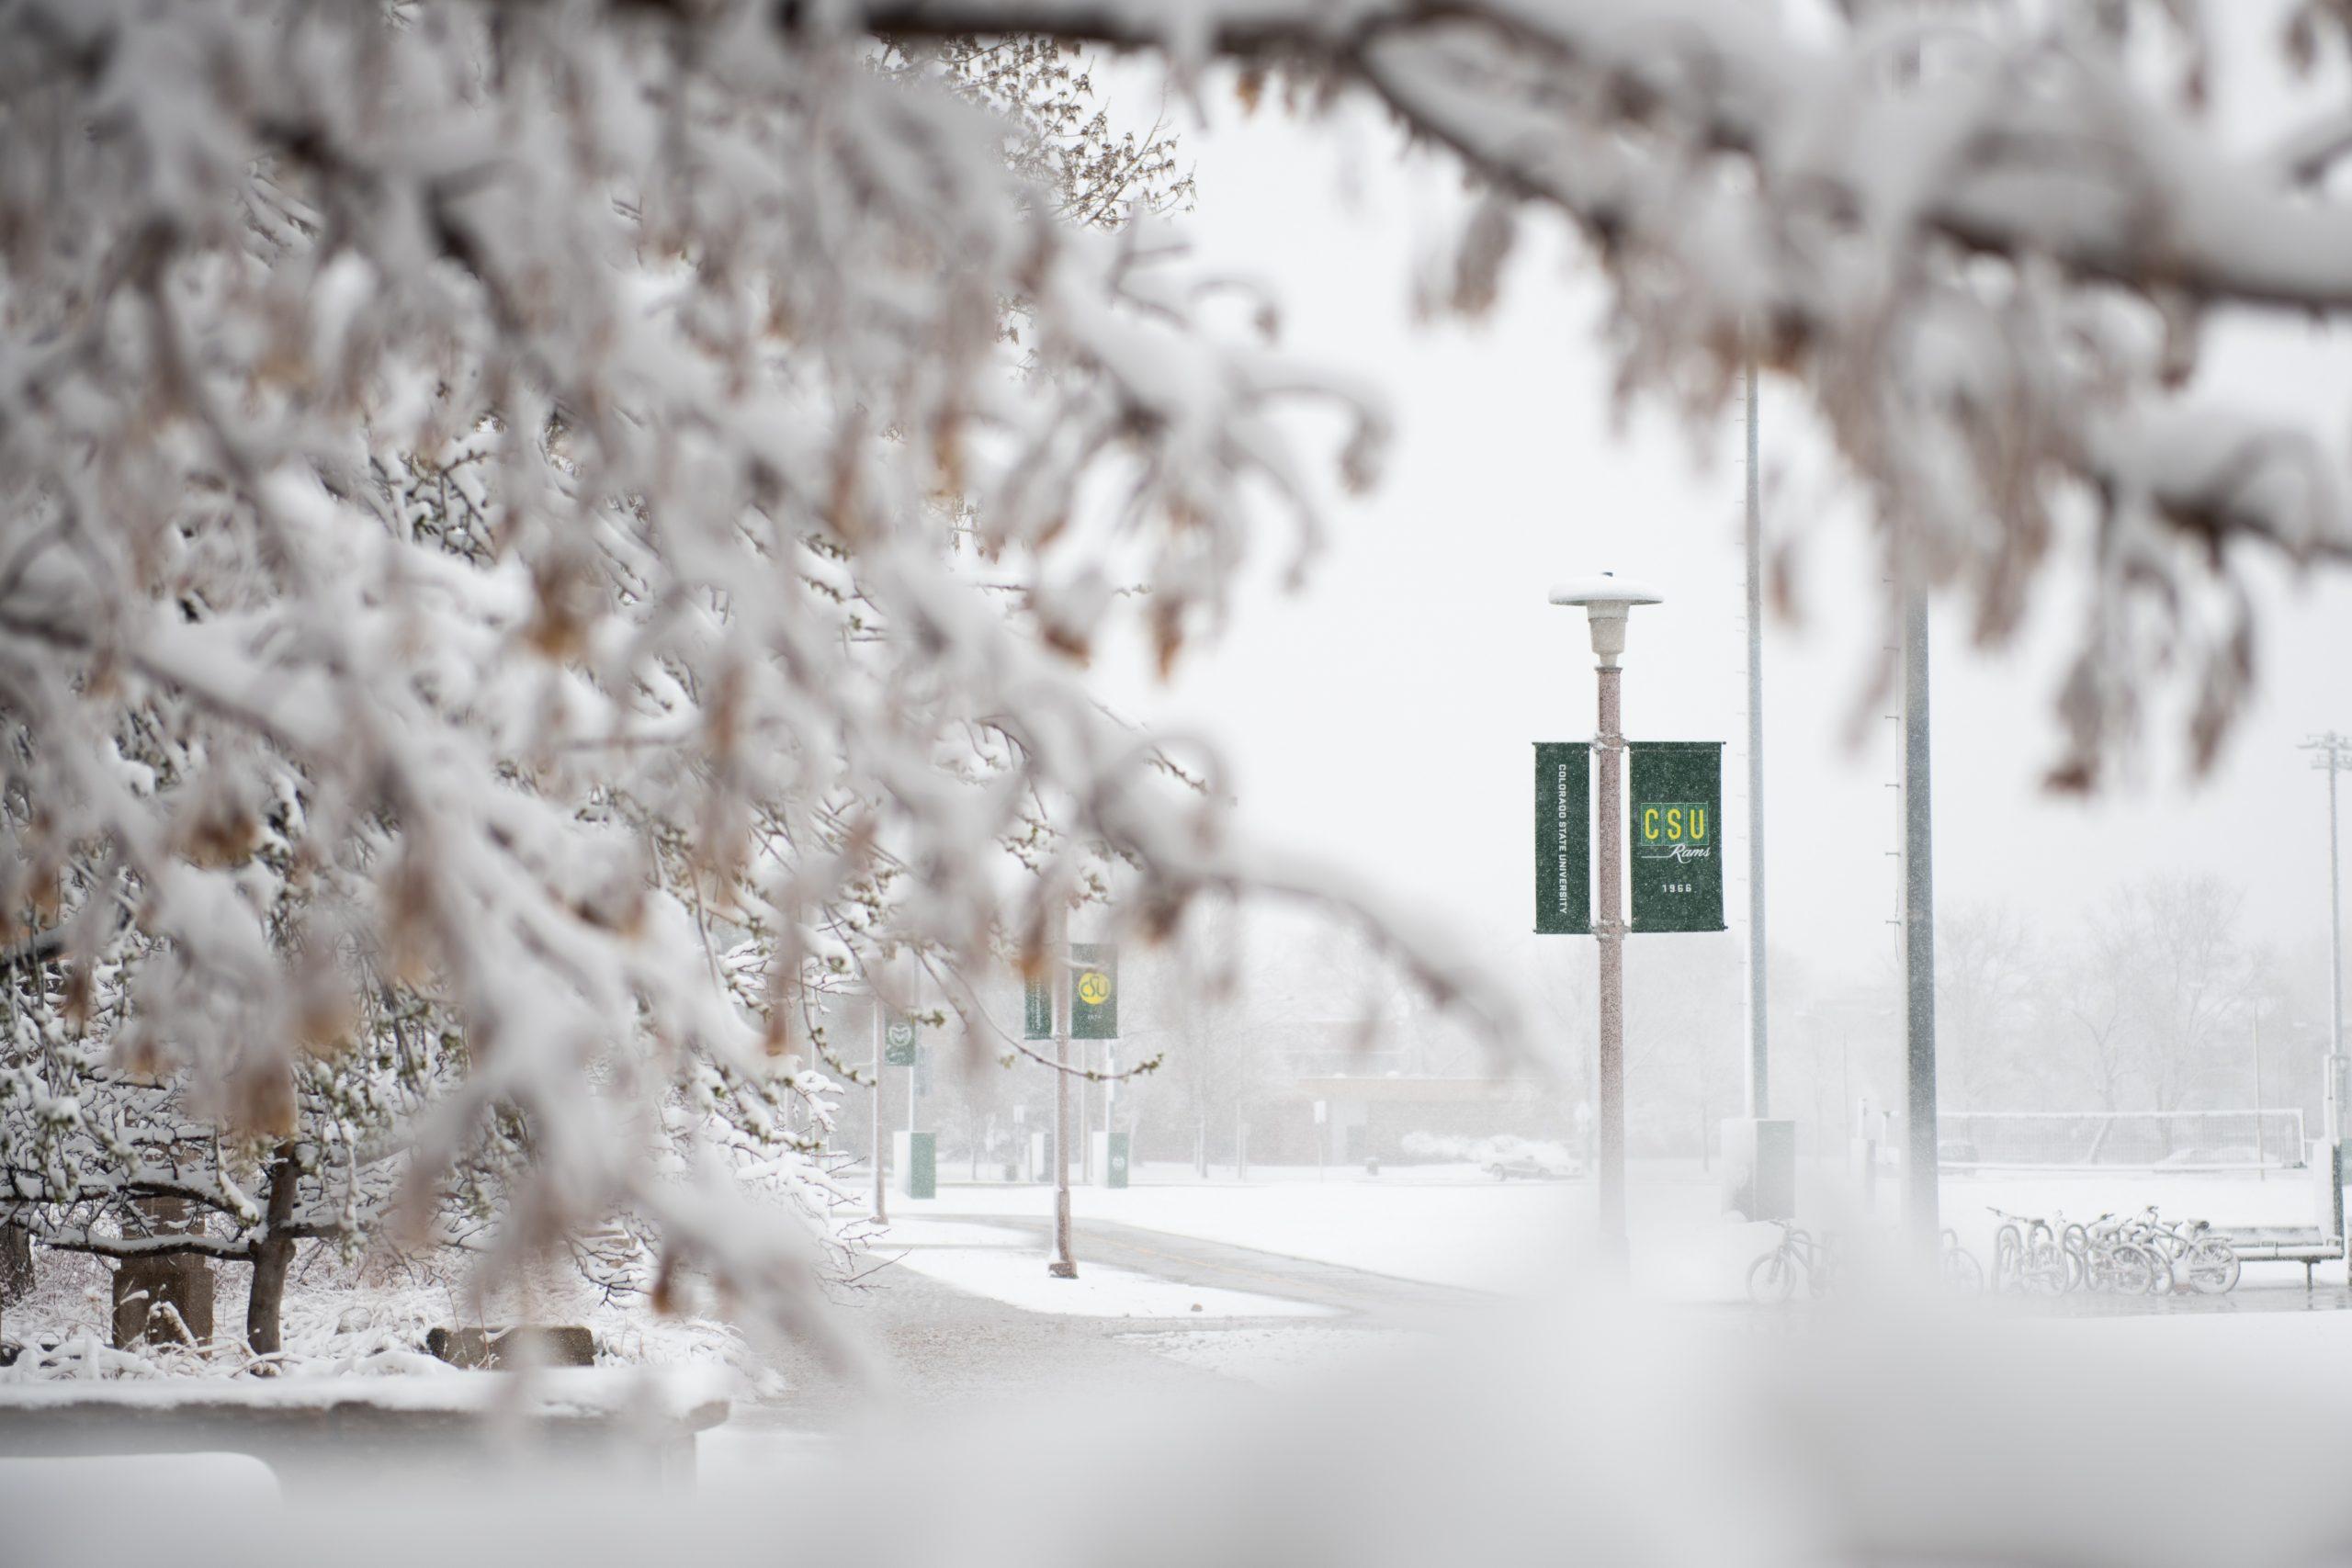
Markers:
{"x": 898, "y": 1041}
{"x": 1563, "y": 838}
{"x": 1677, "y": 796}
{"x": 1093, "y": 990}
{"x": 1093, "y": 971}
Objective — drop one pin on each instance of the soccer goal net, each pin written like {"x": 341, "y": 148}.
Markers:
{"x": 2154, "y": 1140}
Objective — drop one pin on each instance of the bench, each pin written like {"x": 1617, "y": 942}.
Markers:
{"x": 2307, "y": 1245}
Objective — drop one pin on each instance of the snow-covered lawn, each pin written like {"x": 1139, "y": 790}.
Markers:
{"x": 1456, "y": 1225}
{"x": 1009, "y": 1269}
{"x": 1444, "y": 1228}
{"x": 1281, "y": 1357}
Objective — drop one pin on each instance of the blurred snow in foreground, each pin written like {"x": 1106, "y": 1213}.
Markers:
{"x": 1586, "y": 1429}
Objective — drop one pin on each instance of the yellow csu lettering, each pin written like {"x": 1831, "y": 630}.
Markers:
{"x": 1674, "y": 824}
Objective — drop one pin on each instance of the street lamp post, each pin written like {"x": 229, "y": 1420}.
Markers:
{"x": 1607, "y": 600}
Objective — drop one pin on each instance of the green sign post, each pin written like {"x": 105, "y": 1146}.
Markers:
{"x": 1093, "y": 990}
{"x": 1676, "y": 835}
{"x": 1563, "y": 838}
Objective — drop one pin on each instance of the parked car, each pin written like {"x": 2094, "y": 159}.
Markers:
{"x": 1534, "y": 1167}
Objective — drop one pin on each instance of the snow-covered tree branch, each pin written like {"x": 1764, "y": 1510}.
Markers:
{"x": 1987, "y": 239}
{"x": 506, "y": 513}
{"x": 586, "y": 524}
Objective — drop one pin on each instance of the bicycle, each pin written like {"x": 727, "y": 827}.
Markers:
{"x": 2113, "y": 1262}
{"x": 2191, "y": 1257}
{"x": 1959, "y": 1268}
{"x": 2028, "y": 1254}
{"x": 1772, "y": 1278}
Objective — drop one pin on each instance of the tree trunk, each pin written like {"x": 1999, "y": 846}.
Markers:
{"x": 273, "y": 1255}
{"x": 15, "y": 1264}
{"x": 15, "y": 1268}
{"x": 164, "y": 1299}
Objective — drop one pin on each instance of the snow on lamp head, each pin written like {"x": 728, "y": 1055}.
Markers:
{"x": 1606, "y": 599}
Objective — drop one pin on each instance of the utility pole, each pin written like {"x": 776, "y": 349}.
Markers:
{"x": 881, "y": 1213}
{"x": 2333, "y": 752}
{"x": 1920, "y": 1196}
{"x": 1062, "y": 1265}
{"x": 1607, "y": 601}
{"x": 1759, "y": 1088}
{"x": 2261, "y": 1144}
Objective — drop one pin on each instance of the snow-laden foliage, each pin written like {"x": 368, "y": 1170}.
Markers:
{"x": 577, "y": 527}
{"x": 1987, "y": 238}
{"x": 585, "y": 521}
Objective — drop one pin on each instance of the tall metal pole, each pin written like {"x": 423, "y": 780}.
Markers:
{"x": 881, "y": 1214}
{"x": 2336, "y": 744}
{"x": 2335, "y": 938}
{"x": 1759, "y": 1089}
{"x": 2332, "y": 749}
{"x": 1920, "y": 1198}
{"x": 1062, "y": 1265}
{"x": 1610, "y": 929}
{"x": 2261, "y": 1144}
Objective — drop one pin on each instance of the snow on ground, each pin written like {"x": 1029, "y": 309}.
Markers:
{"x": 1446, "y": 1224}
{"x": 1457, "y": 1225}
{"x": 207, "y": 1492}
{"x": 340, "y": 1320}
{"x": 1282, "y": 1357}
{"x": 1017, "y": 1277}
{"x": 915, "y": 1230}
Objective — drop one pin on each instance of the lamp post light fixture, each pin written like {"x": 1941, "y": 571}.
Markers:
{"x": 1607, "y": 601}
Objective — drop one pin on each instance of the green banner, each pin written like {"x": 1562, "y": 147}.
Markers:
{"x": 898, "y": 1041}
{"x": 1563, "y": 838}
{"x": 1093, "y": 990}
{"x": 1676, "y": 835}
{"x": 1037, "y": 1009}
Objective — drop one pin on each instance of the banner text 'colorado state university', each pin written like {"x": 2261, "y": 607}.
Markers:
{"x": 1677, "y": 832}
{"x": 1563, "y": 839}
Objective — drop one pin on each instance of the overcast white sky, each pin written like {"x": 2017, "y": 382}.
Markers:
{"x": 1384, "y": 718}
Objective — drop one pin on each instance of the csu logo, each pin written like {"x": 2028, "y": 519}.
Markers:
{"x": 1670, "y": 823}
{"x": 1674, "y": 831}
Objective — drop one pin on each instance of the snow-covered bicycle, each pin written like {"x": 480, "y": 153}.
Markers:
{"x": 2029, "y": 1256}
{"x": 1772, "y": 1278}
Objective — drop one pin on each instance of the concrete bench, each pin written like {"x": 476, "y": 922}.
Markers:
{"x": 632, "y": 1425}
{"x": 2307, "y": 1245}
